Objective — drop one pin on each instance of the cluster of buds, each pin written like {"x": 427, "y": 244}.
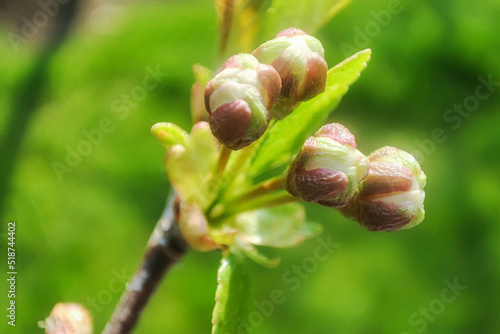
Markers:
{"x": 383, "y": 192}
{"x": 275, "y": 79}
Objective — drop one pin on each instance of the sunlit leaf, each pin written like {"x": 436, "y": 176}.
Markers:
{"x": 280, "y": 226}
{"x": 189, "y": 166}
{"x": 288, "y": 135}
{"x": 169, "y": 134}
{"x": 233, "y": 295}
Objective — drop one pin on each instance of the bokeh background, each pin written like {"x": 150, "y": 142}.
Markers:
{"x": 81, "y": 229}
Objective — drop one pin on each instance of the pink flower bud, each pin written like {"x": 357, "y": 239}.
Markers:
{"x": 239, "y": 98}
{"x": 298, "y": 58}
{"x": 327, "y": 168}
{"x": 391, "y": 196}
{"x": 68, "y": 318}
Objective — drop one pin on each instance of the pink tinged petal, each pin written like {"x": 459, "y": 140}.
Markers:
{"x": 290, "y": 32}
{"x": 385, "y": 178}
{"x": 320, "y": 184}
{"x": 382, "y": 216}
{"x": 337, "y": 132}
{"x": 316, "y": 77}
{"x": 289, "y": 80}
{"x": 232, "y": 62}
{"x": 271, "y": 81}
{"x": 229, "y": 123}
{"x": 384, "y": 152}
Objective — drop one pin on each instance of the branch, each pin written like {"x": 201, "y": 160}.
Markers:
{"x": 165, "y": 247}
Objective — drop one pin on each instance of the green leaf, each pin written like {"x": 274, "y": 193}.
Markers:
{"x": 233, "y": 295}
{"x": 280, "y": 226}
{"x": 289, "y": 134}
{"x": 169, "y": 134}
{"x": 189, "y": 166}
{"x": 308, "y": 15}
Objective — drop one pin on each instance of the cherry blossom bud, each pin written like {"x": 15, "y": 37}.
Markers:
{"x": 194, "y": 228}
{"x": 328, "y": 168}
{"x": 391, "y": 196}
{"x": 298, "y": 58}
{"x": 68, "y": 318}
{"x": 239, "y": 98}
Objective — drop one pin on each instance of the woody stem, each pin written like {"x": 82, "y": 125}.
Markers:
{"x": 165, "y": 247}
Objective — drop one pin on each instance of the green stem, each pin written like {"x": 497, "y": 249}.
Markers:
{"x": 224, "y": 155}
{"x": 273, "y": 199}
{"x": 238, "y": 164}
{"x": 224, "y": 179}
{"x": 264, "y": 188}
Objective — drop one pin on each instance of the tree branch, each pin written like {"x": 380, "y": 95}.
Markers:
{"x": 165, "y": 247}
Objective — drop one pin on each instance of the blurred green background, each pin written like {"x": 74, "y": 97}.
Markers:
{"x": 81, "y": 230}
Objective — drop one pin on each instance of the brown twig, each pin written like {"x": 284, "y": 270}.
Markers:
{"x": 165, "y": 247}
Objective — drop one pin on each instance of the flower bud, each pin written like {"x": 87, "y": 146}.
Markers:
{"x": 298, "y": 58}
{"x": 391, "y": 196}
{"x": 68, "y": 318}
{"x": 194, "y": 228}
{"x": 239, "y": 98}
{"x": 328, "y": 168}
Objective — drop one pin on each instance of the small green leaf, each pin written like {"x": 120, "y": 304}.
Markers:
{"x": 233, "y": 295}
{"x": 288, "y": 135}
{"x": 308, "y": 15}
{"x": 280, "y": 226}
{"x": 258, "y": 257}
{"x": 169, "y": 134}
{"x": 189, "y": 166}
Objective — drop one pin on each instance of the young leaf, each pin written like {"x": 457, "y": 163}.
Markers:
{"x": 169, "y": 134}
{"x": 288, "y": 135}
{"x": 280, "y": 226}
{"x": 233, "y": 295}
{"x": 308, "y": 15}
{"x": 189, "y": 165}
